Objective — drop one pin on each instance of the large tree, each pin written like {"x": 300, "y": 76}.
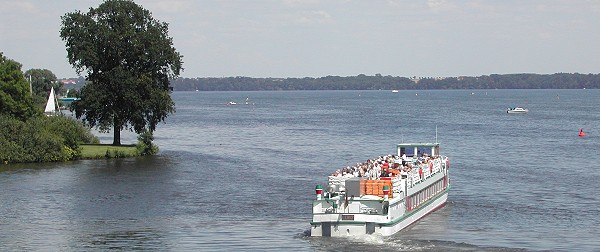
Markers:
{"x": 15, "y": 97}
{"x": 129, "y": 59}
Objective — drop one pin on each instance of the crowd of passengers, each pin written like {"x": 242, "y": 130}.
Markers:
{"x": 386, "y": 166}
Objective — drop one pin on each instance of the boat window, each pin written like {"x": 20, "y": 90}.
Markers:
{"x": 408, "y": 152}
{"x": 403, "y": 151}
{"x": 423, "y": 150}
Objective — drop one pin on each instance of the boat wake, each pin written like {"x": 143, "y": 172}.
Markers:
{"x": 375, "y": 242}
{"x": 370, "y": 243}
{"x": 369, "y": 239}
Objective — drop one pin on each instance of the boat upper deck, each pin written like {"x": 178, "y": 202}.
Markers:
{"x": 412, "y": 162}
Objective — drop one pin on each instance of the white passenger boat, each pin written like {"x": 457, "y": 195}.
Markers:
{"x": 517, "y": 110}
{"x": 383, "y": 195}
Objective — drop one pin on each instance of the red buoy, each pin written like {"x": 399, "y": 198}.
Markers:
{"x": 581, "y": 133}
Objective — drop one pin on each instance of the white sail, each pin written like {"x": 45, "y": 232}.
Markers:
{"x": 51, "y": 105}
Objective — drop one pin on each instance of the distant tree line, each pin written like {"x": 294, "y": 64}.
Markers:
{"x": 377, "y": 82}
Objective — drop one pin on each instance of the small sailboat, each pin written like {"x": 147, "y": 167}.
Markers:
{"x": 52, "y": 104}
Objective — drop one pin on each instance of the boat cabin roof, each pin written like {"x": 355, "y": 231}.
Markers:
{"x": 418, "y": 149}
{"x": 418, "y": 145}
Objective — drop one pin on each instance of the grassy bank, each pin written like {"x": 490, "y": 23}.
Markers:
{"x": 98, "y": 151}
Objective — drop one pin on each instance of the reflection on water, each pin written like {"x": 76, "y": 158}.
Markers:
{"x": 146, "y": 239}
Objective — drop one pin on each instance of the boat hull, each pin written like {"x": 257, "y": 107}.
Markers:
{"x": 416, "y": 215}
{"x": 354, "y": 228}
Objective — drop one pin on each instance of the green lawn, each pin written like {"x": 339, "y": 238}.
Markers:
{"x": 97, "y": 151}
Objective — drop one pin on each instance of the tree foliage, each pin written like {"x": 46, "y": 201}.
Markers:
{"x": 15, "y": 97}
{"x": 129, "y": 60}
{"x": 42, "y": 139}
{"x": 145, "y": 146}
{"x": 42, "y": 80}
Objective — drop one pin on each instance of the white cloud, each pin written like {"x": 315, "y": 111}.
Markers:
{"x": 301, "y": 2}
{"x": 9, "y": 7}
{"x": 315, "y": 16}
{"x": 169, "y": 6}
{"x": 439, "y": 5}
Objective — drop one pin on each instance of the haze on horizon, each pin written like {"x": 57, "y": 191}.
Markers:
{"x": 316, "y": 38}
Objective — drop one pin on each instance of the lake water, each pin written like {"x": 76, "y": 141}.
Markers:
{"x": 242, "y": 177}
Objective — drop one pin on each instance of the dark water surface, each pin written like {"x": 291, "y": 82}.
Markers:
{"x": 242, "y": 177}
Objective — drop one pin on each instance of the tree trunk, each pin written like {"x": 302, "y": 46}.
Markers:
{"x": 117, "y": 135}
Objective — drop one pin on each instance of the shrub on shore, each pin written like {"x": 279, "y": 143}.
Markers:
{"x": 145, "y": 146}
{"x": 42, "y": 139}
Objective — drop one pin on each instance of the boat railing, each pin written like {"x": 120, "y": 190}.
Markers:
{"x": 426, "y": 171}
{"x": 418, "y": 173}
{"x": 421, "y": 172}
{"x": 338, "y": 203}
{"x": 414, "y": 178}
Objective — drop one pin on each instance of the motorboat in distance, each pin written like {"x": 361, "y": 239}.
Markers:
{"x": 517, "y": 110}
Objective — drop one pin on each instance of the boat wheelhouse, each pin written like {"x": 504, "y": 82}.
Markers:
{"x": 383, "y": 195}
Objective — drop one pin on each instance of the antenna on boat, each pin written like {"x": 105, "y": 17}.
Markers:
{"x": 436, "y": 134}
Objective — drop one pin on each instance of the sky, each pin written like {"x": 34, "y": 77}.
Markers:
{"x": 317, "y": 38}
